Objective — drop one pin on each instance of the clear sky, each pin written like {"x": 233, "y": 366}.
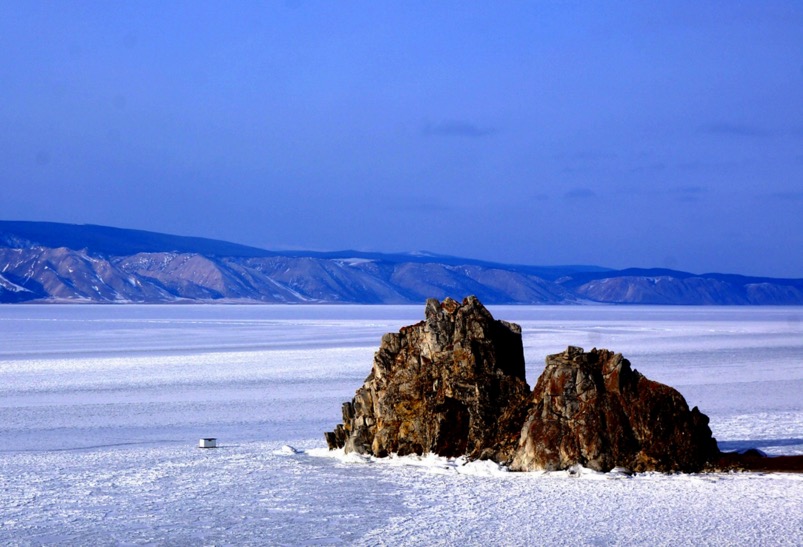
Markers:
{"x": 647, "y": 134}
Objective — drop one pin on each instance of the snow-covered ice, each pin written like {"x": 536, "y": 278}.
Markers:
{"x": 101, "y": 409}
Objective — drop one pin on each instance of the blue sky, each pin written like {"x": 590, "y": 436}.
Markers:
{"x": 649, "y": 134}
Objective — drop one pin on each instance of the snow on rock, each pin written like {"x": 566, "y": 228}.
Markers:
{"x": 287, "y": 450}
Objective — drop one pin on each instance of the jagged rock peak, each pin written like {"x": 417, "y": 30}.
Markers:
{"x": 453, "y": 384}
{"x": 591, "y": 408}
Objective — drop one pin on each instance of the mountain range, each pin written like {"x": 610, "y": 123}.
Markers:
{"x": 52, "y": 262}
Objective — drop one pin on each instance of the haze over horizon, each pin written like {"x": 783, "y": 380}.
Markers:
{"x": 628, "y": 135}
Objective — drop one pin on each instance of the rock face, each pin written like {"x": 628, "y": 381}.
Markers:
{"x": 591, "y": 408}
{"x": 451, "y": 385}
{"x": 454, "y": 385}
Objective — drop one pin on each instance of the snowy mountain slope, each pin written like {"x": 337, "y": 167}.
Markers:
{"x": 56, "y": 274}
{"x": 11, "y": 292}
{"x": 635, "y": 286}
{"x": 108, "y": 241}
{"x": 193, "y": 269}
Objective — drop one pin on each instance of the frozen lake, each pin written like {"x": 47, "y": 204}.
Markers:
{"x": 101, "y": 409}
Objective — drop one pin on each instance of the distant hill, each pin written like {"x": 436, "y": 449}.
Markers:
{"x": 51, "y": 262}
{"x": 107, "y": 241}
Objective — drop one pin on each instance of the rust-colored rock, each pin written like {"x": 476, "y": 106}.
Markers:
{"x": 591, "y": 408}
{"x": 454, "y": 385}
{"x": 451, "y": 385}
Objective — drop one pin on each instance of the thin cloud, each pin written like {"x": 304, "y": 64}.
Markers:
{"x": 422, "y": 205}
{"x": 691, "y": 189}
{"x": 787, "y": 196}
{"x": 586, "y": 155}
{"x": 457, "y": 128}
{"x": 649, "y": 167}
{"x": 585, "y": 161}
{"x": 580, "y": 193}
{"x": 688, "y": 194}
{"x": 734, "y": 129}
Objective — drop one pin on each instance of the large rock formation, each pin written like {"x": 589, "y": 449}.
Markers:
{"x": 591, "y": 408}
{"x": 454, "y": 385}
{"x": 451, "y": 385}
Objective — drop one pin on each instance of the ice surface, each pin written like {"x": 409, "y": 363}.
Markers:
{"x": 101, "y": 409}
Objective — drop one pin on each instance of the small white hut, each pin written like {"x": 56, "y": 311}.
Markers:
{"x": 208, "y": 442}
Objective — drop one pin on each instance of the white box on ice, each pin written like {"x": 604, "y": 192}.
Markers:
{"x": 209, "y": 442}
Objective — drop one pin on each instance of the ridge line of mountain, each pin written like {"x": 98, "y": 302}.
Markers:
{"x": 52, "y": 262}
{"x": 110, "y": 241}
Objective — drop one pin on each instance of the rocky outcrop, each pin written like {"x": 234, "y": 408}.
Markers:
{"x": 451, "y": 385}
{"x": 454, "y": 385}
{"x": 591, "y": 408}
